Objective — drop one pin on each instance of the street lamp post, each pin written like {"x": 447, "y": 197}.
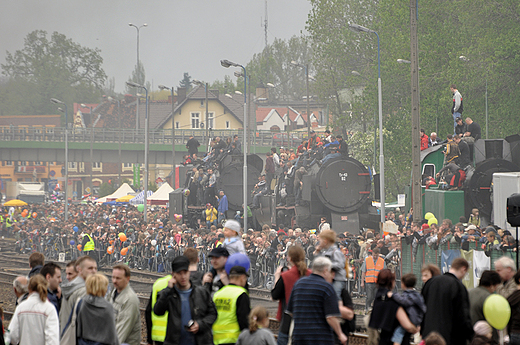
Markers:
{"x": 359, "y": 28}
{"x": 138, "y": 28}
{"x": 57, "y": 101}
{"x": 306, "y": 67}
{"x": 91, "y": 146}
{"x": 119, "y": 170}
{"x": 227, "y": 64}
{"x": 163, "y": 87}
{"x": 146, "y": 148}
{"x": 200, "y": 83}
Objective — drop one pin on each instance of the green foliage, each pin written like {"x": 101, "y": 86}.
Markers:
{"x": 226, "y": 86}
{"x": 45, "y": 69}
{"x": 485, "y": 32}
{"x": 106, "y": 189}
{"x": 186, "y": 82}
{"x": 273, "y": 66}
{"x": 152, "y": 186}
{"x": 138, "y": 76}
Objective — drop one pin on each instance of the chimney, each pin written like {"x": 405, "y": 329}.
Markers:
{"x": 262, "y": 93}
{"x": 181, "y": 94}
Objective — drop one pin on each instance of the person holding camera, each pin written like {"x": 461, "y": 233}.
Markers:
{"x": 191, "y": 311}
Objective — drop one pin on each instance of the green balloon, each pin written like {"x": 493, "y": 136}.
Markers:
{"x": 428, "y": 215}
{"x": 140, "y": 207}
{"x": 497, "y": 311}
{"x": 432, "y": 220}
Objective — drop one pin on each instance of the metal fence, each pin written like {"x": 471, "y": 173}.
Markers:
{"x": 133, "y": 136}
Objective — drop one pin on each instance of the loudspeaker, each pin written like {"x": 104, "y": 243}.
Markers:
{"x": 176, "y": 202}
{"x": 514, "y": 143}
{"x": 513, "y": 210}
{"x": 494, "y": 149}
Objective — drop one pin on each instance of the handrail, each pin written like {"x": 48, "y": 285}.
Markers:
{"x": 156, "y": 136}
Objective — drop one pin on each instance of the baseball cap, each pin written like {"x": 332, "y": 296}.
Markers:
{"x": 218, "y": 252}
{"x": 238, "y": 270}
{"x": 180, "y": 263}
{"x": 208, "y": 204}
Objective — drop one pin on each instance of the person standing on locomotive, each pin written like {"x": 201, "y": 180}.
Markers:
{"x": 457, "y": 107}
{"x": 222, "y": 206}
{"x": 192, "y": 145}
{"x": 464, "y": 158}
{"x": 210, "y": 189}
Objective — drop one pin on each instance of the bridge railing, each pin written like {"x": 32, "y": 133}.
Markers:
{"x": 155, "y": 136}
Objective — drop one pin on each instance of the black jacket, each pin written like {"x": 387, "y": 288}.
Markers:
{"x": 202, "y": 310}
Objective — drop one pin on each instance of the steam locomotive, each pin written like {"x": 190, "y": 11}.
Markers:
{"x": 488, "y": 157}
{"x": 339, "y": 190}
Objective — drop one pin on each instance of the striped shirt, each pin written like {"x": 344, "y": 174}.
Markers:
{"x": 313, "y": 300}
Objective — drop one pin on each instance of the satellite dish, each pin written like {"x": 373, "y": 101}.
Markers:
{"x": 201, "y": 125}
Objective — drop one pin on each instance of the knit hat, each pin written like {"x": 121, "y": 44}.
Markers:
{"x": 232, "y": 225}
{"x": 482, "y": 328}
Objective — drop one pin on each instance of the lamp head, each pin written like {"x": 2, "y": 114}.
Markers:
{"x": 83, "y": 105}
{"x": 403, "y": 61}
{"x": 132, "y": 84}
{"x": 356, "y": 73}
{"x": 270, "y": 84}
{"x": 226, "y": 63}
{"x": 359, "y": 28}
{"x": 60, "y": 109}
{"x": 163, "y": 87}
{"x": 238, "y": 74}
{"x": 57, "y": 101}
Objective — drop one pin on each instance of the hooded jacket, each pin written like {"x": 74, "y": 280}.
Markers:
{"x": 70, "y": 292}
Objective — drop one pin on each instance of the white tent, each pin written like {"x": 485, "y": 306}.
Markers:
{"x": 125, "y": 189}
{"x": 161, "y": 196}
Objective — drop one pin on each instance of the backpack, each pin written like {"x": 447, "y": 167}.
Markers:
{"x": 68, "y": 337}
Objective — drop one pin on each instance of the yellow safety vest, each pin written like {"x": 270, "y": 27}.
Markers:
{"x": 226, "y": 329}
{"x": 90, "y": 245}
{"x": 8, "y": 222}
{"x": 159, "y": 323}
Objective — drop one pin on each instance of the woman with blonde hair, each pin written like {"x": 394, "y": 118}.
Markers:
{"x": 327, "y": 247}
{"x": 95, "y": 322}
{"x": 283, "y": 287}
{"x": 35, "y": 321}
{"x": 258, "y": 332}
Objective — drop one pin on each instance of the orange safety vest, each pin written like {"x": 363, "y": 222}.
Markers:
{"x": 373, "y": 270}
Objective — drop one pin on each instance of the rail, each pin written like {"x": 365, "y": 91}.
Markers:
{"x": 133, "y": 136}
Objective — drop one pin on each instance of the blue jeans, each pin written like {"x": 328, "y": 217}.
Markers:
{"x": 398, "y": 335}
{"x": 283, "y": 338}
{"x": 209, "y": 224}
{"x": 338, "y": 286}
{"x": 330, "y": 156}
{"x": 371, "y": 289}
{"x": 455, "y": 115}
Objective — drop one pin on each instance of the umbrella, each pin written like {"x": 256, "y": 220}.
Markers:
{"x": 15, "y": 202}
{"x": 125, "y": 198}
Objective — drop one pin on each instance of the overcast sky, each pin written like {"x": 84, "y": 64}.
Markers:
{"x": 181, "y": 36}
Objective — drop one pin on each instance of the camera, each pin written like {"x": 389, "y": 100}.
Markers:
{"x": 189, "y": 324}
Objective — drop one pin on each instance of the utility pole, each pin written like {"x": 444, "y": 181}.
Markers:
{"x": 416, "y": 126}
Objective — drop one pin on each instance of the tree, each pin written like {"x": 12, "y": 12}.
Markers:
{"x": 138, "y": 76}
{"x": 273, "y": 65}
{"x": 226, "y": 86}
{"x": 44, "y": 69}
{"x": 186, "y": 82}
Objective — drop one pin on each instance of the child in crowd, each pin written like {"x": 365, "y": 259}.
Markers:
{"x": 483, "y": 333}
{"x": 258, "y": 332}
{"x": 233, "y": 242}
{"x": 412, "y": 302}
{"x": 433, "y": 338}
